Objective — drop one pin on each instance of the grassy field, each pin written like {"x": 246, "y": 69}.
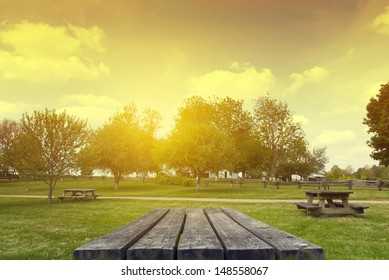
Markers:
{"x": 33, "y": 229}
{"x": 214, "y": 190}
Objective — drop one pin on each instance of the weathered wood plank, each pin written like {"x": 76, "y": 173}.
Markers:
{"x": 304, "y": 205}
{"x": 336, "y": 211}
{"x": 114, "y": 245}
{"x": 286, "y": 245}
{"x": 198, "y": 240}
{"x": 160, "y": 243}
{"x": 238, "y": 243}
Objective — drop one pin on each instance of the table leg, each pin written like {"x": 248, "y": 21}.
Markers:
{"x": 345, "y": 203}
{"x": 322, "y": 202}
{"x": 331, "y": 204}
{"x": 310, "y": 198}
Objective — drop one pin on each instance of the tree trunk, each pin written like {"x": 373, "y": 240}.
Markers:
{"x": 27, "y": 185}
{"x": 117, "y": 179}
{"x": 198, "y": 179}
{"x": 273, "y": 168}
{"x": 50, "y": 196}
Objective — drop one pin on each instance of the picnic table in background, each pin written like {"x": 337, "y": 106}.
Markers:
{"x": 327, "y": 205}
{"x": 79, "y": 194}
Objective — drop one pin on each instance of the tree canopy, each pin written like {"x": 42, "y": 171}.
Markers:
{"x": 377, "y": 119}
{"x": 125, "y": 143}
{"x": 276, "y": 130}
{"x": 199, "y": 141}
{"x": 9, "y": 132}
{"x": 209, "y": 135}
{"x": 48, "y": 144}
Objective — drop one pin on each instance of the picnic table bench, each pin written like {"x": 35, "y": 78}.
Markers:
{"x": 197, "y": 234}
{"x": 79, "y": 194}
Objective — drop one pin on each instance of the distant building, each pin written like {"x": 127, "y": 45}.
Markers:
{"x": 316, "y": 177}
{"x": 226, "y": 175}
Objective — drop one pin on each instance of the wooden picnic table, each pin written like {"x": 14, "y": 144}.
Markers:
{"x": 329, "y": 202}
{"x": 198, "y": 234}
{"x": 79, "y": 194}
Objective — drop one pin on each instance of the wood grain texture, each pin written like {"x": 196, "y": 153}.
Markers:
{"x": 114, "y": 245}
{"x": 238, "y": 243}
{"x": 210, "y": 234}
{"x": 198, "y": 240}
{"x": 160, "y": 243}
{"x": 286, "y": 245}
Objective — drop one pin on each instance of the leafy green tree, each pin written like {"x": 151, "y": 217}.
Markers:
{"x": 362, "y": 172}
{"x": 199, "y": 147}
{"x": 150, "y": 124}
{"x": 196, "y": 142}
{"x": 377, "y": 119}
{"x": 125, "y": 143}
{"x": 336, "y": 173}
{"x": 196, "y": 109}
{"x": 375, "y": 171}
{"x": 9, "y": 132}
{"x": 295, "y": 160}
{"x": 276, "y": 130}
{"x": 48, "y": 145}
{"x": 231, "y": 118}
{"x": 116, "y": 149}
{"x": 348, "y": 172}
{"x": 318, "y": 160}
{"x": 87, "y": 159}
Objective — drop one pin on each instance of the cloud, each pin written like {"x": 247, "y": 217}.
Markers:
{"x": 356, "y": 156}
{"x": 96, "y": 116}
{"x": 369, "y": 91}
{"x": 91, "y": 37}
{"x": 8, "y": 107}
{"x": 301, "y": 119}
{"x": 240, "y": 81}
{"x": 91, "y": 100}
{"x": 345, "y": 109}
{"x": 332, "y": 137}
{"x": 313, "y": 75}
{"x": 14, "y": 110}
{"x": 380, "y": 24}
{"x": 39, "y": 52}
{"x": 96, "y": 109}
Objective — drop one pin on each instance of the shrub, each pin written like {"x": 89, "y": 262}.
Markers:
{"x": 164, "y": 179}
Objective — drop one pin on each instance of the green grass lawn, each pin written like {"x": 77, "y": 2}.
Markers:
{"x": 33, "y": 229}
{"x": 214, "y": 190}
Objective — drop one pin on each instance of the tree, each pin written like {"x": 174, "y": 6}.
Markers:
{"x": 374, "y": 171}
{"x": 199, "y": 147}
{"x": 348, "y": 172}
{"x": 116, "y": 148}
{"x": 336, "y": 173}
{"x": 125, "y": 143}
{"x": 377, "y": 119}
{"x": 238, "y": 124}
{"x": 362, "y": 172}
{"x": 9, "y": 132}
{"x": 318, "y": 160}
{"x": 196, "y": 142}
{"x": 150, "y": 124}
{"x": 87, "y": 159}
{"x": 48, "y": 145}
{"x": 276, "y": 130}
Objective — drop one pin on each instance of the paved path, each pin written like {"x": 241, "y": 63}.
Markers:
{"x": 238, "y": 200}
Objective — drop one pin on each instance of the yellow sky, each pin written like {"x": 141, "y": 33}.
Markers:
{"x": 91, "y": 57}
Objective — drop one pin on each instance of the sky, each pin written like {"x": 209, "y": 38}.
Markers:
{"x": 326, "y": 59}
